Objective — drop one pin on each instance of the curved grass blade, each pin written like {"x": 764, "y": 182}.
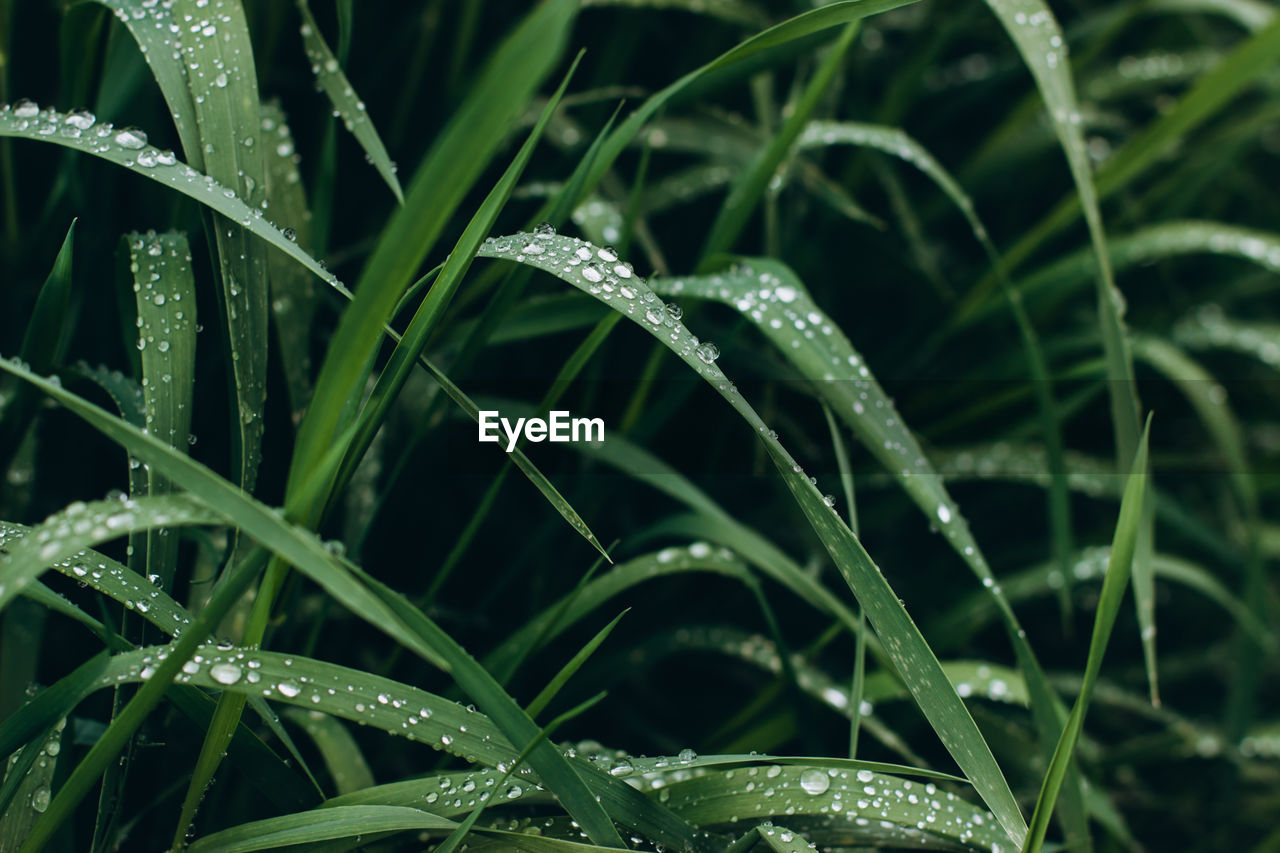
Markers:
{"x": 80, "y": 526}
{"x": 447, "y": 173}
{"x": 1038, "y": 38}
{"x": 828, "y": 803}
{"x": 382, "y": 703}
{"x": 347, "y": 104}
{"x": 340, "y": 822}
{"x": 153, "y": 27}
{"x": 218, "y": 55}
{"x": 128, "y": 148}
{"x": 1209, "y": 328}
{"x": 1212, "y": 91}
{"x": 814, "y": 21}
{"x": 1119, "y": 565}
{"x": 112, "y": 579}
{"x": 571, "y": 609}
{"x": 1149, "y": 244}
{"x": 165, "y": 294}
{"x": 749, "y": 187}
{"x": 971, "y": 613}
{"x": 602, "y": 274}
{"x": 776, "y": 301}
{"x": 231, "y": 505}
{"x": 733, "y": 11}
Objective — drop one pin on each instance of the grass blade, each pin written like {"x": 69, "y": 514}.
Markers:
{"x": 347, "y": 104}
{"x": 166, "y": 300}
{"x": 1123, "y": 547}
{"x": 218, "y": 56}
{"x": 602, "y": 274}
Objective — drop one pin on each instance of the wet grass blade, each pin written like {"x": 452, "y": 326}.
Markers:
{"x": 347, "y": 104}
{"x": 749, "y": 187}
{"x": 153, "y": 27}
{"x": 165, "y": 294}
{"x": 602, "y": 274}
{"x": 82, "y": 525}
{"x": 733, "y": 11}
{"x": 447, "y": 173}
{"x": 218, "y": 55}
{"x": 1119, "y": 567}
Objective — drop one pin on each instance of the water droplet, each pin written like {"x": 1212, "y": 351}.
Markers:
{"x": 82, "y": 119}
{"x": 26, "y": 109}
{"x": 544, "y": 230}
{"x": 290, "y": 235}
{"x": 944, "y": 514}
{"x": 592, "y": 272}
{"x": 131, "y": 138}
{"x": 674, "y": 312}
{"x": 40, "y": 799}
{"x": 814, "y": 781}
{"x": 225, "y": 673}
{"x": 708, "y": 352}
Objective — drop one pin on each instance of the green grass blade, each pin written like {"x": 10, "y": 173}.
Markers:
{"x": 218, "y": 56}
{"x": 477, "y": 683}
{"x": 749, "y": 187}
{"x": 1119, "y": 566}
{"x": 456, "y": 159}
{"x": 127, "y": 148}
{"x": 593, "y": 270}
{"x": 805, "y": 24}
{"x": 301, "y": 549}
{"x": 1038, "y": 38}
{"x": 410, "y": 346}
{"x": 165, "y": 293}
{"x": 734, "y": 11}
{"x": 567, "y": 671}
{"x": 153, "y": 27}
{"x": 82, "y": 525}
{"x": 347, "y": 104}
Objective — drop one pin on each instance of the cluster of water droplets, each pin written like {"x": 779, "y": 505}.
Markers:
{"x": 600, "y": 272}
{"x": 859, "y": 802}
{"x": 338, "y": 691}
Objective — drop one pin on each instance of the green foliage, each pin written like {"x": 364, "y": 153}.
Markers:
{"x": 235, "y": 493}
